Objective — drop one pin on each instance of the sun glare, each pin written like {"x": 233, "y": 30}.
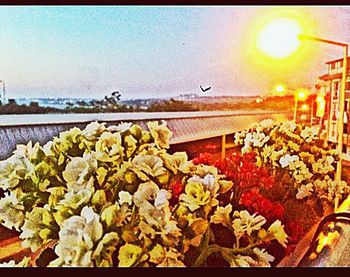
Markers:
{"x": 279, "y": 38}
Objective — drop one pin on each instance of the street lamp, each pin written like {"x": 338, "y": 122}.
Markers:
{"x": 340, "y": 123}
{"x": 3, "y": 90}
{"x": 299, "y": 96}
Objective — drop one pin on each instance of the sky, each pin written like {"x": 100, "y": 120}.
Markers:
{"x": 156, "y": 51}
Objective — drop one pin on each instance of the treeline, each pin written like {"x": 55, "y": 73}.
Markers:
{"x": 112, "y": 104}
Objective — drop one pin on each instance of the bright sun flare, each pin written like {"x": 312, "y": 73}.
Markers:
{"x": 279, "y": 38}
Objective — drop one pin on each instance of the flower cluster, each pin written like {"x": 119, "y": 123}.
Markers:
{"x": 299, "y": 152}
{"x": 114, "y": 196}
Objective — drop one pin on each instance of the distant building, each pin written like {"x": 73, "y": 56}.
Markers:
{"x": 188, "y": 96}
{"x": 331, "y": 83}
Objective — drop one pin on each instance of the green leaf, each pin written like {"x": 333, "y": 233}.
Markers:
{"x": 61, "y": 159}
{"x": 99, "y": 198}
{"x": 129, "y": 145}
{"x": 109, "y": 214}
{"x": 136, "y": 131}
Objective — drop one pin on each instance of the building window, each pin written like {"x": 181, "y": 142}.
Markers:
{"x": 335, "y": 89}
{"x": 334, "y": 117}
{"x": 341, "y": 64}
{"x": 347, "y": 86}
{"x": 344, "y": 148}
{"x": 332, "y": 65}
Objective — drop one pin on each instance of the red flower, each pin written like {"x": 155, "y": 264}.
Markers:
{"x": 203, "y": 158}
{"x": 255, "y": 202}
{"x": 176, "y": 188}
{"x": 294, "y": 230}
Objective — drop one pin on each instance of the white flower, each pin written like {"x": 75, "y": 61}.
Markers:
{"x": 148, "y": 165}
{"x": 162, "y": 197}
{"x": 239, "y": 136}
{"x": 323, "y": 165}
{"x": 74, "y": 200}
{"x": 264, "y": 257}
{"x": 304, "y": 191}
{"x": 300, "y": 171}
{"x": 246, "y": 223}
{"x": 14, "y": 170}
{"x": 288, "y": 127}
{"x": 125, "y": 197}
{"x": 78, "y": 172}
{"x": 77, "y": 238}
{"x": 277, "y": 231}
{"x": 93, "y": 130}
{"x": 267, "y": 123}
{"x": 309, "y": 133}
{"x": 145, "y": 192}
{"x": 11, "y": 211}
{"x": 259, "y": 139}
{"x": 48, "y": 148}
{"x": 222, "y": 216}
{"x": 246, "y": 149}
{"x": 23, "y": 263}
{"x": 124, "y": 126}
{"x": 288, "y": 159}
{"x": 109, "y": 148}
{"x": 209, "y": 182}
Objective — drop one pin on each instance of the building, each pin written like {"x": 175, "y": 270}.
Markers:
{"x": 329, "y": 86}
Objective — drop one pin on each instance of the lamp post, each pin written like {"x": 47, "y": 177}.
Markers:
{"x": 300, "y": 95}
{"x": 340, "y": 122}
{"x": 3, "y": 90}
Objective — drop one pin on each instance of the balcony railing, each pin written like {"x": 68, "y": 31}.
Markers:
{"x": 186, "y": 126}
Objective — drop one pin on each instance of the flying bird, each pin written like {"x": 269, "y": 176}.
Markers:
{"x": 205, "y": 89}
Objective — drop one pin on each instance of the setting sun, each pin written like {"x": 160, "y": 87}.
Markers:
{"x": 279, "y": 38}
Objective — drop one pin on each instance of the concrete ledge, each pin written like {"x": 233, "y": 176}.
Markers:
{"x": 186, "y": 126}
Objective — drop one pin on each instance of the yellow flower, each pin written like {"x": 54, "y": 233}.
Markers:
{"x": 128, "y": 255}
{"x": 195, "y": 196}
{"x": 160, "y": 133}
{"x": 276, "y": 231}
{"x": 148, "y": 165}
{"x": 222, "y": 216}
{"x": 93, "y": 130}
{"x": 108, "y": 147}
{"x": 246, "y": 223}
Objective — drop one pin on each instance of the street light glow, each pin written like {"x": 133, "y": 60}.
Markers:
{"x": 301, "y": 95}
{"x": 279, "y": 88}
{"x": 304, "y": 107}
{"x": 279, "y": 38}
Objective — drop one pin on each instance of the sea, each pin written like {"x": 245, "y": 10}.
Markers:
{"x": 59, "y": 103}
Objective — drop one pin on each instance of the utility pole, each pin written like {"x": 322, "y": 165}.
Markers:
{"x": 3, "y": 98}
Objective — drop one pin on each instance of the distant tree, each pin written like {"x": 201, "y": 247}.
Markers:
{"x": 82, "y": 103}
{"x": 11, "y": 102}
{"x": 33, "y": 104}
